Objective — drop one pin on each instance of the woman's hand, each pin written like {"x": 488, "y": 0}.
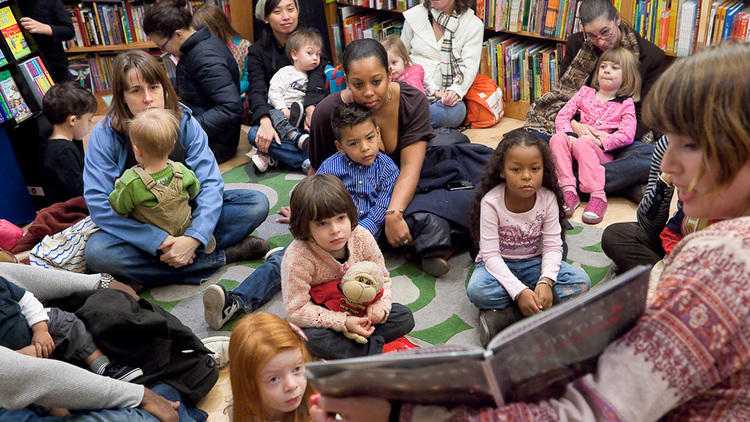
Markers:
{"x": 308, "y": 116}
{"x": 357, "y": 325}
{"x": 178, "y": 251}
{"x": 396, "y": 230}
{"x": 266, "y": 134}
{"x": 35, "y": 27}
{"x": 528, "y": 302}
{"x": 544, "y": 293}
{"x": 450, "y": 98}
{"x": 352, "y": 409}
{"x": 346, "y": 96}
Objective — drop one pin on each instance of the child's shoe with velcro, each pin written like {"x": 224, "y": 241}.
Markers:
{"x": 570, "y": 202}
{"x": 120, "y": 371}
{"x": 594, "y": 211}
{"x": 262, "y": 162}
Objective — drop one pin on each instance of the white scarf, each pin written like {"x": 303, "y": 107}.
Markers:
{"x": 450, "y": 65}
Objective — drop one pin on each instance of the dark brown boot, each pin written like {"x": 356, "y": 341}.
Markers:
{"x": 249, "y": 248}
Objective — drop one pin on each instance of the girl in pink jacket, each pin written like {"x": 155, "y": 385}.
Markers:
{"x": 403, "y": 70}
{"x": 606, "y": 121}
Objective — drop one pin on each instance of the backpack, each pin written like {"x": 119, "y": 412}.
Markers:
{"x": 335, "y": 78}
{"x": 484, "y": 103}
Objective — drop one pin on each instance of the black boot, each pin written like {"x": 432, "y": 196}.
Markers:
{"x": 492, "y": 321}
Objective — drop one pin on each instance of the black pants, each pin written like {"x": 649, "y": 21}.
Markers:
{"x": 73, "y": 342}
{"x": 431, "y": 234}
{"x": 329, "y": 344}
{"x": 628, "y": 245}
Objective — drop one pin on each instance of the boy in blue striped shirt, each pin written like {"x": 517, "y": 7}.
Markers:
{"x": 368, "y": 174}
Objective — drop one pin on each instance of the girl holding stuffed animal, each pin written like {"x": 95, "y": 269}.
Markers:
{"x": 327, "y": 241}
{"x": 607, "y": 121}
{"x": 517, "y": 221}
{"x": 267, "y": 373}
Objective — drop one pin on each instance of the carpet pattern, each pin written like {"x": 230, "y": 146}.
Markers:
{"x": 442, "y": 312}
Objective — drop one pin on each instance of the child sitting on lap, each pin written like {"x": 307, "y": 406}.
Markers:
{"x": 403, "y": 70}
{"x": 368, "y": 174}
{"x": 326, "y": 242}
{"x": 157, "y": 190}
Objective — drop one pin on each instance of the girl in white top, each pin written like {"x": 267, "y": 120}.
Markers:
{"x": 517, "y": 221}
{"x": 445, "y": 38}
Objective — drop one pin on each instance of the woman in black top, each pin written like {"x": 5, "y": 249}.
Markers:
{"x": 50, "y": 25}
{"x": 208, "y": 80}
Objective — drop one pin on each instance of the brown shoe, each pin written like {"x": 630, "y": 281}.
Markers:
{"x": 249, "y": 248}
{"x": 6, "y": 256}
{"x": 435, "y": 266}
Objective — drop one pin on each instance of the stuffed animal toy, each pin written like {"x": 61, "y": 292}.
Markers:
{"x": 360, "y": 286}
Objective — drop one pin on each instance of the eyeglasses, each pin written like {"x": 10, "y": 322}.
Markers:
{"x": 162, "y": 46}
{"x": 605, "y": 34}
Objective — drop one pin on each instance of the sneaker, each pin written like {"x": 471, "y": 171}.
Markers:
{"x": 296, "y": 114}
{"x": 570, "y": 202}
{"x": 594, "y": 211}
{"x": 435, "y": 266}
{"x": 262, "y": 162}
{"x": 120, "y": 371}
{"x": 492, "y": 321}
{"x": 249, "y": 248}
{"x": 210, "y": 245}
{"x": 302, "y": 140}
{"x": 218, "y": 306}
{"x": 219, "y": 347}
{"x": 272, "y": 251}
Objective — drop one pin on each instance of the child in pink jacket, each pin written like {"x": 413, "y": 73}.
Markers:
{"x": 606, "y": 122}
{"x": 403, "y": 70}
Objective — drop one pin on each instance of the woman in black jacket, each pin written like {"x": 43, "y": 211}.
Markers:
{"x": 264, "y": 58}
{"x": 208, "y": 81}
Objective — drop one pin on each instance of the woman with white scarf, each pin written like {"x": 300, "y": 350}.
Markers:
{"x": 445, "y": 38}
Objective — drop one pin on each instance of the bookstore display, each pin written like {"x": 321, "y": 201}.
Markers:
{"x": 565, "y": 341}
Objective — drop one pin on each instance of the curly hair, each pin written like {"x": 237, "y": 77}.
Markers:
{"x": 495, "y": 166}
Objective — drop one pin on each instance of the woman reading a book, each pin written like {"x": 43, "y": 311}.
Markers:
{"x": 603, "y": 29}
{"x": 445, "y": 38}
{"x": 687, "y": 356}
{"x": 141, "y": 252}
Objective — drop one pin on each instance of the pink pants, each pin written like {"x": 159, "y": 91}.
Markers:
{"x": 590, "y": 158}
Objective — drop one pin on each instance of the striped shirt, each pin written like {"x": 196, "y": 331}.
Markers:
{"x": 653, "y": 210}
{"x": 370, "y": 186}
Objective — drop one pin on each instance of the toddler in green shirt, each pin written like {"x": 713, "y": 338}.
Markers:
{"x": 157, "y": 190}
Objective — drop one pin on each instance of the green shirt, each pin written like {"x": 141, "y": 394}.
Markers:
{"x": 131, "y": 191}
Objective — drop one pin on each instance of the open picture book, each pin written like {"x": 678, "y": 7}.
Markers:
{"x": 530, "y": 360}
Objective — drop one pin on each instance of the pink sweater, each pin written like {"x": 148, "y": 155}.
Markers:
{"x": 616, "y": 117}
{"x": 504, "y": 234}
{"x": 306, "y": 264}
{"x": 414, "y": 76}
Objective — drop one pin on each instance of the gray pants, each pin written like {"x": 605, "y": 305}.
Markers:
{"x": 281, "y": 124}
{"x": 73, "y": 343}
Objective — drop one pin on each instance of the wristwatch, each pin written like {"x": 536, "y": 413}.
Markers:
{"x": 104, "y": 281}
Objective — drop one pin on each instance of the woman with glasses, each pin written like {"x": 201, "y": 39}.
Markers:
{"x": 604, "y": 29}
{"x": 208, "y": 80}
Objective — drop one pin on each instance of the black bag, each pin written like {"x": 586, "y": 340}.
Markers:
{"x": 144, "y": 335}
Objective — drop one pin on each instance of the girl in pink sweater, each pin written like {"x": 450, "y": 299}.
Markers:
{"x": 517, "y": 221}
{"x": 403, "y": 70}
{"x": 326, "y": 242}
{"x": 606, "y": 122}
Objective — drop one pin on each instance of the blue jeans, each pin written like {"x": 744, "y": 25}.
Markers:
{"x": 442, "y": 115}
{"x": 630, "y": 167}
{"x": 187, "y": 413}
{"x": 260, "y": 286}
{"x": 286, "y": 153}
{"x": 485, "y": 292}
{"x": 243, "y": 211}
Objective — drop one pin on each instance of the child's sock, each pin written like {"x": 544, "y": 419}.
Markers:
{"x": 97, "y": 366}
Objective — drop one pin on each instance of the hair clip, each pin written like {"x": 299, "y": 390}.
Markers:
{"x": 298, "y": 331}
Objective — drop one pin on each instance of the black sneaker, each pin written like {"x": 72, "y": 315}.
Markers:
{"x": 218, "y": 306}
{"x": 296, "y": 113}
{"x": 120, "y": 371}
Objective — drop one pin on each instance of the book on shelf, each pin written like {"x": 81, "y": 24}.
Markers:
{"x": 12, "y": 33}
{"x": 80, "y": 73}
{"x": 530, "y": 360}
{"x": 37, "y": 77}
{"x": 13, "y": 104}
{"x": 3, "y": 60}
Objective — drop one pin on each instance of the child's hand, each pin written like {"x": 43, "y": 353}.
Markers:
{"x": 286, "y": 112}
{"x": 41, "y": 340}
{"x": 376, "y": 315}
{"x": 544, "y": 293}
{"x": 438, "y": 95}
{"x": 361, "y": 326}
{"x": 582, "y": 130}
{"x": 529, "y": 303}
{"x": 35, "y": 27}
{"x": 286, "y": 213}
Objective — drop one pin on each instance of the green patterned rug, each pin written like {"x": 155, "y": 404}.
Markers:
{"x": 442, "y": 312}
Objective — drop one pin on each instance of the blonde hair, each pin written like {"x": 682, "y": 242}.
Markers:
{"x": 151, "y": 71}
{"x": 216, "y": 21}
{"x": 256, "y": 339}
{"x": 631, "y": 77}
{"x": 393, "y": 44}
{"x": 705, "y": 97}
{"x": 154, "y": 132}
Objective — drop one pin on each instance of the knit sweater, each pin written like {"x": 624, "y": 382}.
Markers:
{"x": 306, "y": 264}
{"x": 686, "y": 358}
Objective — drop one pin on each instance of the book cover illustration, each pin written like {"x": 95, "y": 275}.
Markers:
{"x": 3, "y": 60}
{"x": 12, "y": 33}
{"x": 17, "y": 107}
{"x": 530, "y": 360}
{"x": 80, "y": 72}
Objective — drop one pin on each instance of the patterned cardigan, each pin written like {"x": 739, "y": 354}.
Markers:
{"x": 306, "y": 264}
{"x": 687, "y": 358}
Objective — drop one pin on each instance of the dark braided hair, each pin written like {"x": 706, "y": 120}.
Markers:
{"x": 495, "y": 166}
